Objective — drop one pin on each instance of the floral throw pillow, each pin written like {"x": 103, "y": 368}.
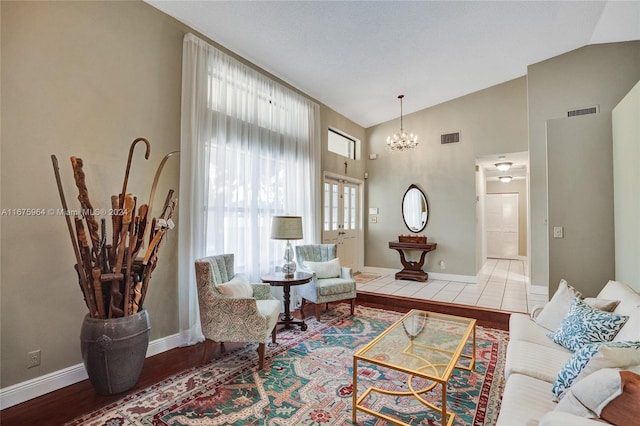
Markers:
{"x": 584, "y": 324}
{"x": 593, "y": 357}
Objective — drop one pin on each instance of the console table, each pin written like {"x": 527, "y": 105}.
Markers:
{"x": 412, "y": 270}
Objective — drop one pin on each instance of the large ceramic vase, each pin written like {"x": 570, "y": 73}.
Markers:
{"x": 113, "y": 351}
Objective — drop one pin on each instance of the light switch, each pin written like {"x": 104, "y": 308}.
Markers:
{"x": 558, "y": 232}
{"x": 374, "y": 219}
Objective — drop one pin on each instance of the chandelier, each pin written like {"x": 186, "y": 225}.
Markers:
{"x": 402, "y": 141}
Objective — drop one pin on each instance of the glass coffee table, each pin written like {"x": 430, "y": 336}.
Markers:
{"x": 427, "y": 347}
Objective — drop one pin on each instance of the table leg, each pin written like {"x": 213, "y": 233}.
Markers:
{"x": 444, "y": 404}
{"x": 287, "y": 301}
{"x": 354, "y": 391}
{"x": 287, "y": 319}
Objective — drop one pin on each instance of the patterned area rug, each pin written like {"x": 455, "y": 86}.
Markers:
{"x": 365, "y": 277}
{"x": 307, "y": 380}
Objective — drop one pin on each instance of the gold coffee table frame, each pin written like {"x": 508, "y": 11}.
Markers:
{"x": 414, "y": 346}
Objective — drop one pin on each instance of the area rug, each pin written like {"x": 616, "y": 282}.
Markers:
{"x": 365, "y": 277}
{"x": 307, "y": 380}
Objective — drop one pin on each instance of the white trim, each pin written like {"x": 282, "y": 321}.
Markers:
{"x": 539, "y": 289}
{"x": 326, "y": 175}
{"x": 470, "y": 279}
{"x": 24, "y": 391}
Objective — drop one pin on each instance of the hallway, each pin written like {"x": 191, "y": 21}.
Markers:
{"x": 502, "y": 284}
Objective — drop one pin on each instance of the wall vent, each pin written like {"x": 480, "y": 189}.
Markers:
{"x": 584, "y": 111}
{"x": 450, "y": 138}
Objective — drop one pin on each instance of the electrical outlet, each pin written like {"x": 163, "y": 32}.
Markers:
{"x": 442, "y": 264}
{"x": 558, "y": 232}
{"x": 33, "y": 358}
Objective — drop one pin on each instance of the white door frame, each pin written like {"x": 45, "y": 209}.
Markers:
{"x": 359, "y": 245}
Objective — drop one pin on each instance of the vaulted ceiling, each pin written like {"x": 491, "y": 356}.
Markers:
{"x": 357, "y": 56}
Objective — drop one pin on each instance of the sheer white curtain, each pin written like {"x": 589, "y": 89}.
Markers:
{"x": 250, "y": 150}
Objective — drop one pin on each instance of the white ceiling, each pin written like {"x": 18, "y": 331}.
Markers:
{"x": 357, "y": 56}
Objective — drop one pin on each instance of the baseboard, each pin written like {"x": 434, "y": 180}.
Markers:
{"x": 24, "y": 391}
{"x": 539, "y": 289}
{"x": 432, "y": 275}
{"x": 452, "y": 277}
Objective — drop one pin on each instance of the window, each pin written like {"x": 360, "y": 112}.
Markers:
{"x": 341, "y": 144}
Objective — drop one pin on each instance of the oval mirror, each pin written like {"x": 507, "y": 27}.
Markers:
{"x": 415, "y": 210}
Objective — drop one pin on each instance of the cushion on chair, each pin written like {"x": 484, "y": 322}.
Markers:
{"x": 270, "y": 309}
{"x": 238, "y": 286}
{"x": 328, "y": 269}
{"x": 331, "y": 286}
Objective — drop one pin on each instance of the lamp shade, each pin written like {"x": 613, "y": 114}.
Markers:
{"x": 286, "y": 228}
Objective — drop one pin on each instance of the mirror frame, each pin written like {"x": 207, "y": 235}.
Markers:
{"x": 426, "y": 203}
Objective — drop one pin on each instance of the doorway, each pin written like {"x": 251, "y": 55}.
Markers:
{"x": 502, "y": 232}
{"x": 342, "y": 218}
{"x": 501, "y": 214}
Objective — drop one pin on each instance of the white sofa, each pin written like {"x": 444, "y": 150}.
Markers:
{"x": 534, "y": 360}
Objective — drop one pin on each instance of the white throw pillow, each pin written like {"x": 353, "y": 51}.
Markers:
{"x": 602, "y": 304}
{"x": 631, "y": 329}
{"x": 611, "y": 356}
{"x": 556, "y": 310}
{"x": 329, "y": 269}
{"x": 589, "y": 396}
{"x": 591, "y": 358}
{"x": 237, "y": 287}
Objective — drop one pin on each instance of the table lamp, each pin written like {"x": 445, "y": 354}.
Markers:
{"x": 287, "y": 228}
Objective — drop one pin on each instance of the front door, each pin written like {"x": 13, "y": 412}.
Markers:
{"x": 341, "y": 218}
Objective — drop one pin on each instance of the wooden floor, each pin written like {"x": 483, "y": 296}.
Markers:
{"x": 61, "y": 406}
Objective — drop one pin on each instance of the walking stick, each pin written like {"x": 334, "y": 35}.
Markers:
{"x": 155, "y": 185}
{"x": 117, "y": 219}
{"x": 85, "y": 203}
{"x": 88, "y": 296}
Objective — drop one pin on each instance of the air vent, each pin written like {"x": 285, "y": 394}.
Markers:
{"x": 450, "y": 138}
{"x": 583, "y": 111}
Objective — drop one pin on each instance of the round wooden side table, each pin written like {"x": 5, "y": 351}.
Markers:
{"x": 278, "y": 279}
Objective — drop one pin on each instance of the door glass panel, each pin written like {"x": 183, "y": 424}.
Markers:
{"x": 327, "y": 207}
{"x": 334, "y": 207}
{"x": 353, "y": 205}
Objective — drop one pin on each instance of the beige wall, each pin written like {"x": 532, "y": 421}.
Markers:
{"x": 85, "y": 79}
{"x": 626, "y": 178}
{"x": 593, "y": 75}
{"x": 516, "y": 186}
{"x": 81, "y": 79}
{"x": 490, "y": 121}
{"x": 579, "y": 152}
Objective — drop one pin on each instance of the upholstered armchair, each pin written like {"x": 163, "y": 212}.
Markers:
{"x": 232, "y": 309}
{"x": 331, "y": 282}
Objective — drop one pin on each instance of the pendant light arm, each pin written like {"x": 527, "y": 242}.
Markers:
{"x": 401, "y": 126}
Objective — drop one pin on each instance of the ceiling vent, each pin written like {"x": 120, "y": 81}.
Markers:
{"x": 450, "y": 138}
{"x": 584, "y": 111}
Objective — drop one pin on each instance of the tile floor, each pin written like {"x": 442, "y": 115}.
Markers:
{"x": 502, "y": 284}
